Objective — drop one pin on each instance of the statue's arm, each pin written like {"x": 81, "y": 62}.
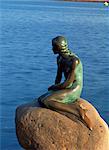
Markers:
{"x": 71, "y": 77}
{"x": 59, "y": 75}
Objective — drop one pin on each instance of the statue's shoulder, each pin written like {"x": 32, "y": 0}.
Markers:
{"x": 75, "y": 58}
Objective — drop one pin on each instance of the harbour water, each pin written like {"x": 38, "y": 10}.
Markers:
{"x": 28, "y": 65}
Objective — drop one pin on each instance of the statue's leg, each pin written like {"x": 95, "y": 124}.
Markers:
{"x": 54, "y": 96}
{"x": 44, "y": 95}
{"x": 54, "y": 102}
{"x": 71, "y": 110}
{"x": 62, "y": 96}
{"x": 55, "y": 99}
{"x": 40, "y": 99}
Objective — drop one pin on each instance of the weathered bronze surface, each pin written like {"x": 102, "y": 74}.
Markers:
{"x": 70, "y": 65}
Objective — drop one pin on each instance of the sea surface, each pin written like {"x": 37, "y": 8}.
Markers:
{"x": 28, "y": 65}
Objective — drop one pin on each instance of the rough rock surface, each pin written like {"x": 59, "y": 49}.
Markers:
{"x": 43, "y": 129}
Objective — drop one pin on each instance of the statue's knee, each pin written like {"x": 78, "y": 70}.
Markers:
{"x": 51, "y": 104}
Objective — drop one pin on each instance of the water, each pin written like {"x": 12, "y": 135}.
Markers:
{"x": 28, "y": 65}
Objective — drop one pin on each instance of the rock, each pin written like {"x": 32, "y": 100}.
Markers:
{"x": 43, "y": 129}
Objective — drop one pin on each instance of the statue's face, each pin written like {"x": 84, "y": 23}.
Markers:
{"x": 55, "y": 49}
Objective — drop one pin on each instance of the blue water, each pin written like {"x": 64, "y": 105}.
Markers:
{"x": 28, "y": 65}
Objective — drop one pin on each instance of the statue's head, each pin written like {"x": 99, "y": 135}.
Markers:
{"x": 59, "y": 45}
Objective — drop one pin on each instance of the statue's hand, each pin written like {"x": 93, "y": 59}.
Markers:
{"x": 53, "y": 87}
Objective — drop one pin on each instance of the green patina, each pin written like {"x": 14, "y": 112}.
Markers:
{"x": 76, "y": 91}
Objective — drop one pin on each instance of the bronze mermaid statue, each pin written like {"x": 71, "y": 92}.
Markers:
{"x": 62, "y": 95}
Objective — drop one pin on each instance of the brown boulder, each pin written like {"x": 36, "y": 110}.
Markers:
{"x": 43, "y": 129}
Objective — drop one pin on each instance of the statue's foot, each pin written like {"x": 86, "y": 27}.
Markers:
{"x": 88, "y": 113}
{"x": 86, "y": 117}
